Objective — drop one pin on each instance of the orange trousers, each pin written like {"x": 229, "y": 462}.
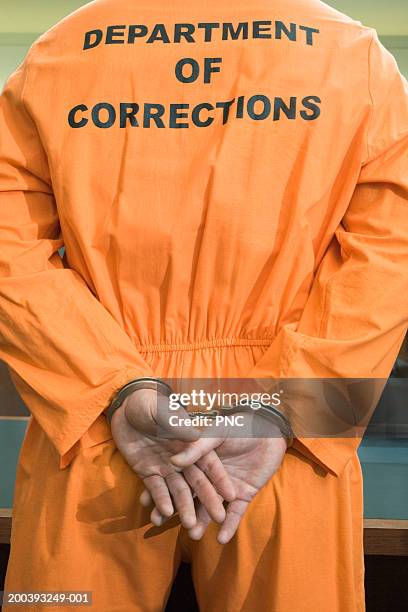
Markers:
{"x": 299, "y": 547}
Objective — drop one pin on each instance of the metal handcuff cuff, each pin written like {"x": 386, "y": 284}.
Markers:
{"x": 266, "y": 410}
{"x": 134, "y": 385}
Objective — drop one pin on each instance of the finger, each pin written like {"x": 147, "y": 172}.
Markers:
{"x": 206, "y": 493}
{"x": 203, "y": 520}
{"x": 159, "y": 492}
{"x": 149, "y": 412}
{"x": 172, "y": 423}
{"x": 147, "y": 501}
{"x": 157, "y": 518}
{"x": 216, "y": 473}
{"x": 145, "y": 498}
{"x": 234, "y": 514}
{"x": 195, "y": 451}
{"x": 182, "y": 499}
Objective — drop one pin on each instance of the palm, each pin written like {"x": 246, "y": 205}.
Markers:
{"x": 249, "y": 462}
{"x": 149, "y": 456}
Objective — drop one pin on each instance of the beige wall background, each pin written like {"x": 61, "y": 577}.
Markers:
{"x": 21, "y": 22}
{"x": 388, "y": 16}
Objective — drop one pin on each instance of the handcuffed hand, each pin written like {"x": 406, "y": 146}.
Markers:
{"x": 250, "y": 462}
{"x": 139, "y": 427}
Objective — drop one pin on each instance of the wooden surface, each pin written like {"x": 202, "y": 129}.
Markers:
{"x": 5, "y": 525}
{"x": 381, "y": 537}
{"x": 386, "y": 537}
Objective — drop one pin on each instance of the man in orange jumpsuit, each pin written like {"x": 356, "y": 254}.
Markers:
{"x": 229, "y": 181}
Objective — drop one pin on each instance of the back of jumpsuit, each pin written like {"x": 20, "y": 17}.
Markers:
{"x": 229, "y": 181}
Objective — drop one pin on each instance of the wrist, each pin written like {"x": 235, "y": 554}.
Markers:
{"x": 277, "y": 419}
{"x": 140, "y": 408}
{"x": 138, "y": 384}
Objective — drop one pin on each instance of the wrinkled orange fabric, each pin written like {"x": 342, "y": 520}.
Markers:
{"x": 266, "y": 236}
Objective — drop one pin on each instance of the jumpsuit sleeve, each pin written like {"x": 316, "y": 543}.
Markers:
{"x": 67, "y": 355}
{"x": 356, "y": 314}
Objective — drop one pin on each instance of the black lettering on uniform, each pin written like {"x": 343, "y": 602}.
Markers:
{"x": 88, "y": 43}
{"x": 228, "y": 30}
{"x": 266, "y": 107}
{"x": 240, "y": 107}
{"x": 280, "y": 27}
{"x": 159, "y": 32}
{"x": 96, "y": 111}
{"x": 116, "y": 30}
{"x": 136, "y": 31}
{"x": 174, "y": 115}
{"x": 195, "y": 70}
{"x": 183, "y": 29}
{"x": 208, "y": 27}
{"x": 209, "y": 69}
{"x": 261, "y": 29}
{"x": 226, "y": 108}
{"x": 128, "y": 111}
{"x": 195, "y": 115}
{"x": 308, "y": 103}
{"x": 309, "y": 34}
{"x": 71, "y": 116}
{"x": 280, "y": 105}
{"x": 149, "y": 114}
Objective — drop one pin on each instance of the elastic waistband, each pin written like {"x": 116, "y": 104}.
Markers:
{"x": 203, "y": 344}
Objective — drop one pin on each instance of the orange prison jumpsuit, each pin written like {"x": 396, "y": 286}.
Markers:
{"x": 232, "y": 199}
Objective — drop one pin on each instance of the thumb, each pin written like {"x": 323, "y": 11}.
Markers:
{"x": 149, "y": 412}
{"x": 194, "y": 451}
{"x": 174, "y": 425}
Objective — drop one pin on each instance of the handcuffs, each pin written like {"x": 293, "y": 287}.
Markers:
{"x": 266, "y": 410}
{"x": 134, "y": 385}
